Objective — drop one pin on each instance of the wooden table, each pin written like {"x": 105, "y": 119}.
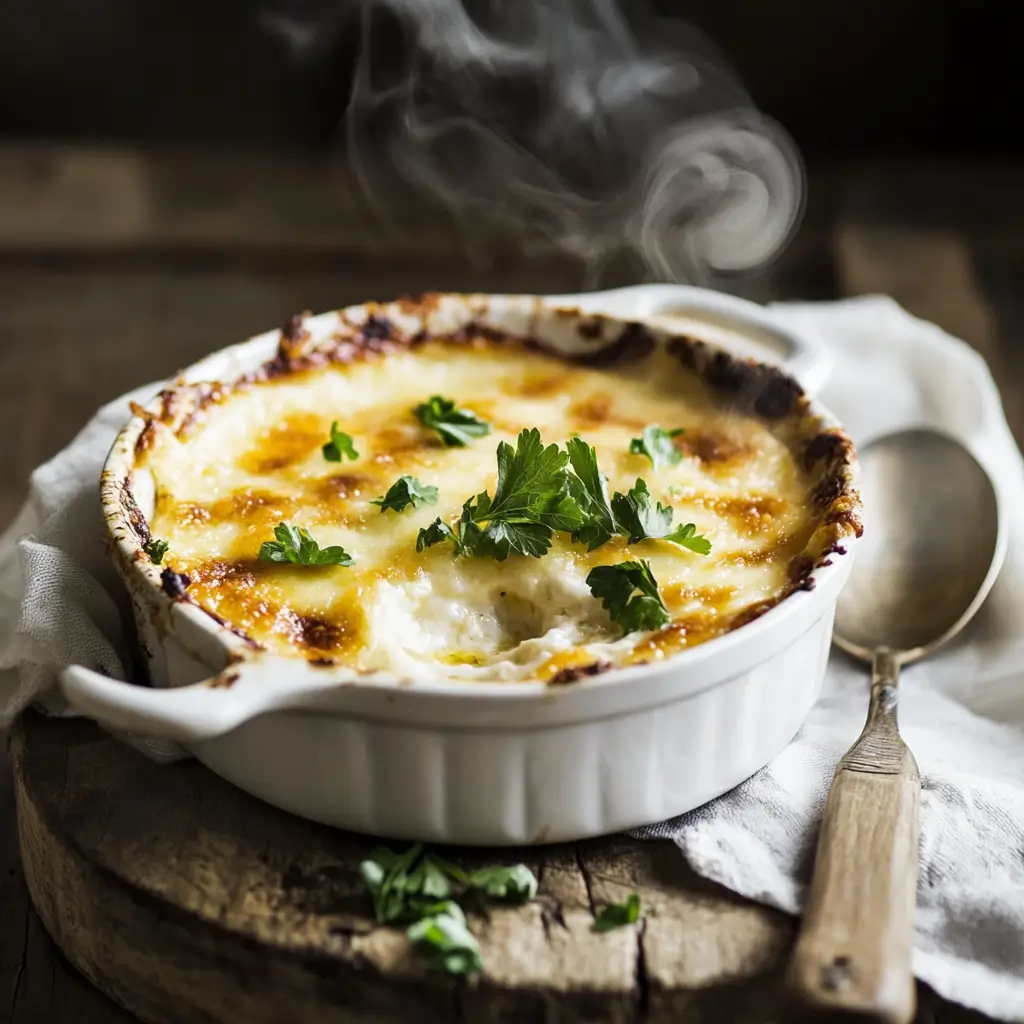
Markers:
{"x": 117, "y": 268}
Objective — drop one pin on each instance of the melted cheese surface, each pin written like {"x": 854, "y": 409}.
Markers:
{"x": 254, "y": 460}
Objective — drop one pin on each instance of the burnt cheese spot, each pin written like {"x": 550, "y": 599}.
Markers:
{"x": 326, "y": 633}
{"x": 598, "y": 409}
{"x": 713, "y": 448}
{"x": 255, "y": 507}
{"x": 343, "y": 487}
{"x": 286, "y": 443}
{"x": 538, "y": 385}
{"x": 747, "y": 515}
{"x": 592, "y": 410}
{"x": 574, "y": 673}
{"x": 713, "y": 598}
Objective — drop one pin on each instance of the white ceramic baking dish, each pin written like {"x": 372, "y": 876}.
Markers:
{"x": 474, "y": 763}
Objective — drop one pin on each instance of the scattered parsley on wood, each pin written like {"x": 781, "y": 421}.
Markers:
{"x": 640, "y": 519}
{"x": 340, "y": 446}
{"x": 456, "y": 427}
{"x": 295, "y": 545}
{"x": 615, "y": 915}
{"x": 156, "y": 549}
{"x": 406, "y": 491}
{"x": 629, "y": 593}
{"x": 658, "y": 446}
{"x": 444, "y": 938}
{"x": 516, "y": 884}
{"x": 419, "y": 889}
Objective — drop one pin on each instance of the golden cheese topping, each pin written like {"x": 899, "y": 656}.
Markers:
{"x": 253, "y": 459}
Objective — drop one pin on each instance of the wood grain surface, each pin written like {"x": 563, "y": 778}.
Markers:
{"x": 174, "y": 890}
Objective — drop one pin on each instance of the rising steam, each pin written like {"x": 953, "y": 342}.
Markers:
{"x": 570, "y": 126}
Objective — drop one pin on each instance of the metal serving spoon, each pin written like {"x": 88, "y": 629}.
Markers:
{"x": 933, "y": 544}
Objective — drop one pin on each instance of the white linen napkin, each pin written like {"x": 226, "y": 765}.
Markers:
{"x": 962, "y": 712}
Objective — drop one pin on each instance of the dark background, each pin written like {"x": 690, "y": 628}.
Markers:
{"x": 875, "y": 77}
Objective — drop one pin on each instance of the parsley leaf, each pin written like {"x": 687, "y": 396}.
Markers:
{"x": 340, "y": 445}
{"x": 517, "y": 884}
{"x": 629, "y": 593}
{"x": 295, "y": 545}
{"x": 406, "y": 491}
{"x": 687, "y": 536}
{"x": 417, "y": 887}
{"x": 386, "y": 874}
{"x": 532, "y": 486}
{"x": 456, "y": 427}
{"x": 443, "y": 936}
{"x": 657, "y": 445}
{"x": 639, "y": 519}
{"x": 532, "y": 499}
{"x": 588, "y": 485}
{"x": 437, "y": 533}
{"x": 614, "y": 915}
{"x": 156, "y": 549}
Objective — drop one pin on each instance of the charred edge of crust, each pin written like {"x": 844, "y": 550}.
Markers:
{"x": 174, "y": 584}
{"x": 574, "y": 673}
{"x": 634, "y": 343}
{"x": 745, "y": 384}
{"x": 321, "y": 662}
{"x": 293, "y": 334}
{"x": 133, "y": 514}
{"x": 590, "y": 329}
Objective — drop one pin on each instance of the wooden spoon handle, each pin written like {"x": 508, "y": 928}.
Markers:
{"x": 854, "y": 950}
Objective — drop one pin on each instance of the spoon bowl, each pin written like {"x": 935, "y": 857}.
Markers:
{"x": 931, "y": 550}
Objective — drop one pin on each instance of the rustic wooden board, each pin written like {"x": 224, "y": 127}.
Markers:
{"x": 188, "y": 901}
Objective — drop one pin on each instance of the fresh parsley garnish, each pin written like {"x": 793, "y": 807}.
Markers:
{"x": 589, "y": 486}
{"x": 340, "y": 445}
{"x": 657, "y": 445}
{"x": 537, "y": 494}
{"x": 532, "y": 499}
{"x": 640, "y": 519}
{"x": 629, "y": 593}
{"x": 615, "y": 915}
{"x": 456, "y": 427}
{"x": 388, "y": 876}
{"x": 419, "y": 887}
{"x": 406, "y": 491}
{"x": 295, "y": 545}
{"x": 436, "y": 533}
{"x": 517, "y": 883}
{"x": 443, "y": 936}
{"x": 156, "y": 549}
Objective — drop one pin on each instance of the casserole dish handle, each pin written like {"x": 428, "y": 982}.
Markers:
{"x": 200, "y": 711}
{"x": 790, "y": 350}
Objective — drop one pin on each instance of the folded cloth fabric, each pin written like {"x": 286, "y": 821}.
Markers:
{"x": 962, "y": 712}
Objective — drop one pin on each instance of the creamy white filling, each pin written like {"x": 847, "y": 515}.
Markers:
{"x": 447, "y": 624}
